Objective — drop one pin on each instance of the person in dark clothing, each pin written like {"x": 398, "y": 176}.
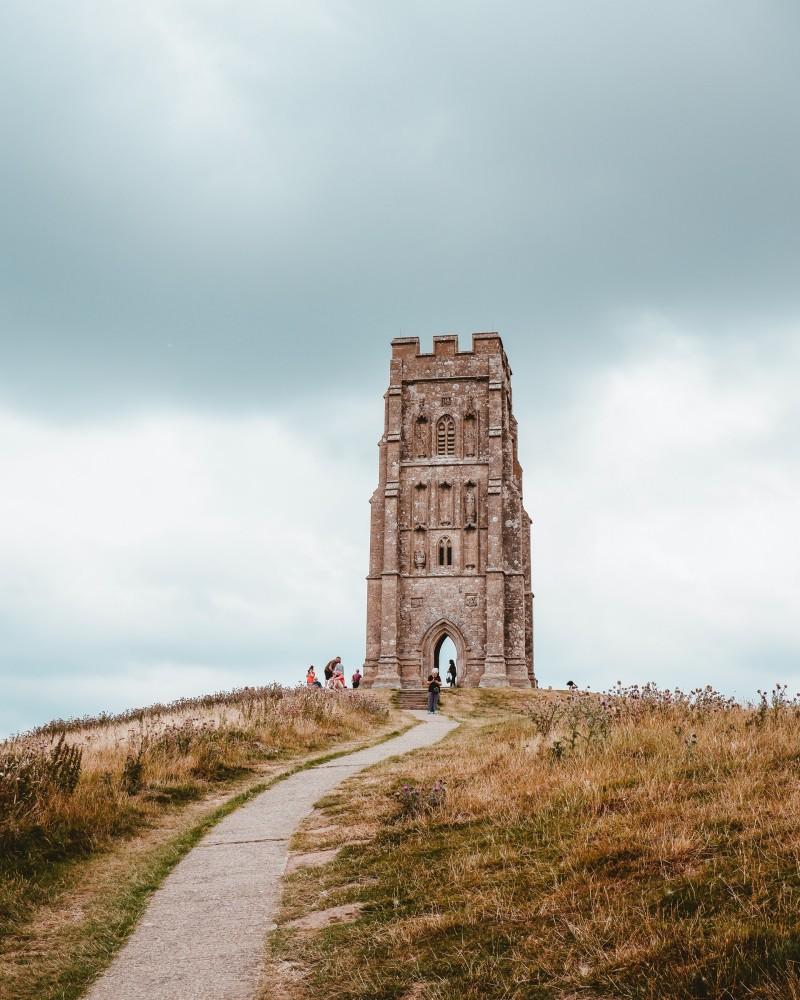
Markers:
{"x": 451, "y": 674}
{"x": 434, "y": 687}
{"x": 330, "y": 666}
{"x": 356, "y": 678}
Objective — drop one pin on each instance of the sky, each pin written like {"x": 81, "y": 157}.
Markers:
{"x": 215, "y": 216}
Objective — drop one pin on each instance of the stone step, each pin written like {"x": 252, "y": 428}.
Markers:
{"x": 412, "y": 698}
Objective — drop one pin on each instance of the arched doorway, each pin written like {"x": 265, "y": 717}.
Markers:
{"x": 444, "y": 654}
{"x": 442, "y": 642}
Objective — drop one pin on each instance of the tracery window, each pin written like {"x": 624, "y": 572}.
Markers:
{"x": 445, "y": 552}
{"x": 446, "y": 436}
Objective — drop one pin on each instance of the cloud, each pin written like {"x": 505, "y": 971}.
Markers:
{"x": 215, "y": 217}
{"x": 664, "y": 504}
{"x": 199, "y": 198}
{"x": 174, "y": 545}
{"x": 169, "y": 553}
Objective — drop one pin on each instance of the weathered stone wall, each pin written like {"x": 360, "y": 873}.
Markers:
{"x": 450, "y": 538}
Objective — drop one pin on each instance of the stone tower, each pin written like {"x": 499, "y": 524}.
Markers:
{"x": 450, "y": 542}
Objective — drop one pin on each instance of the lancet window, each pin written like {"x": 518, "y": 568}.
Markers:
{"x": 445, "y": 551}
{"x": 446, "y": 436}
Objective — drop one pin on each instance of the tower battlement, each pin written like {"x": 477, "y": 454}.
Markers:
{"x": 409, "y": 362}
{"x": 446, "y": 346}
{"x": 450, "y": 538}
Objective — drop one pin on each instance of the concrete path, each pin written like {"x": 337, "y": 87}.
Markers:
{"x": 202, "y": 936}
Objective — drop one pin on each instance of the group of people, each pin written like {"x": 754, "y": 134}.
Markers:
{"x": 435, "y": 685}
{"x": 334, "y": 676}
{"x": 334, "y": 680}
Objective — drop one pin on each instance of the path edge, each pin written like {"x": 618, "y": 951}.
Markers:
{"x": 73, "y": 983}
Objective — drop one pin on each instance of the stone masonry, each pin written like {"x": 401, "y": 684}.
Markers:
{"x": 450, "y": 542}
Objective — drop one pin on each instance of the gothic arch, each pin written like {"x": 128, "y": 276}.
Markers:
{"x": 445, "y": 435}
{"x": 433, "y": 638}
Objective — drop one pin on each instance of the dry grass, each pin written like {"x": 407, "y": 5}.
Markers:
{"x": 71, "y": 789}
{"x": 637, "y": 846}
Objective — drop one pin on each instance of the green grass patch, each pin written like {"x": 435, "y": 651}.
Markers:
{"x": 63, "y": 968}
{"x": 604, "y": 872}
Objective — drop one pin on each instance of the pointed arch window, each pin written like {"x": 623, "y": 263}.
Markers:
{"x": 445, "y": 551}
{"x": 446, "y": 436}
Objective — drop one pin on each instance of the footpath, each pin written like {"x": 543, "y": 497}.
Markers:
{"x": 202, "y": 936}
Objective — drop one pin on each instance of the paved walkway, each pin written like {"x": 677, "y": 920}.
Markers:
{"x": 202, "y": 936}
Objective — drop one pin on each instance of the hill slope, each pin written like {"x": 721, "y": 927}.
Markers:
{"x": 94, "y": 812}
{"x": 644, "y": 845}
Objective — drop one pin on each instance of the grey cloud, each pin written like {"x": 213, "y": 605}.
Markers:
{"x": 230, "y": 208}
{"x": 198, "y": 198}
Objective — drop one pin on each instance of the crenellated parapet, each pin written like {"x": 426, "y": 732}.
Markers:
{"x": 445, "y": 346}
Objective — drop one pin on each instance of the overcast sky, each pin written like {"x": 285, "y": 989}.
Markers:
{"x": 214, "y": 218}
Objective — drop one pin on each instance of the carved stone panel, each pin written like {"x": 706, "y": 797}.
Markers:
{"x": 420, "y": 504}
{"x": 445, "y": 504}
{"x": 470, "y": 505}
{"x": 471, "y": 550}
{"x": 421, "y": 436}
{"x": 470, "y": 431}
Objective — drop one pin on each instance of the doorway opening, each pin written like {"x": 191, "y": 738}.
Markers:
{"x": 441, "y": 643}
{"x": 444, "y": 654}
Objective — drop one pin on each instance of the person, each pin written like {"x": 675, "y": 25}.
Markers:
{"x": 434, "y": 687}
{"x": 451, "y": 674}
{"x": 356, "y": 678}
{"x": 311, "y": 676}
{"x": 330, "y": 666}
{"x": 338, "y": 679}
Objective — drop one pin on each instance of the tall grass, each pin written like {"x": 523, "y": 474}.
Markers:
{"x": 639, "y": 844}
{"x": 69, "y": 788}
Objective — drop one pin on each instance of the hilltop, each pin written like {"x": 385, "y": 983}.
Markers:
{"x": 640, "y": 844}
{"x": 644, "y": 844}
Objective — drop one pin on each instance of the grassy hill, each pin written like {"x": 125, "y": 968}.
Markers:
{"x": 639, "y": 845}
{"x": 94, "y": 812}
{"x": 643, "y": 844}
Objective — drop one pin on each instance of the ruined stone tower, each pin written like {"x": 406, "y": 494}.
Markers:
{"x": 450, "y": 542}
